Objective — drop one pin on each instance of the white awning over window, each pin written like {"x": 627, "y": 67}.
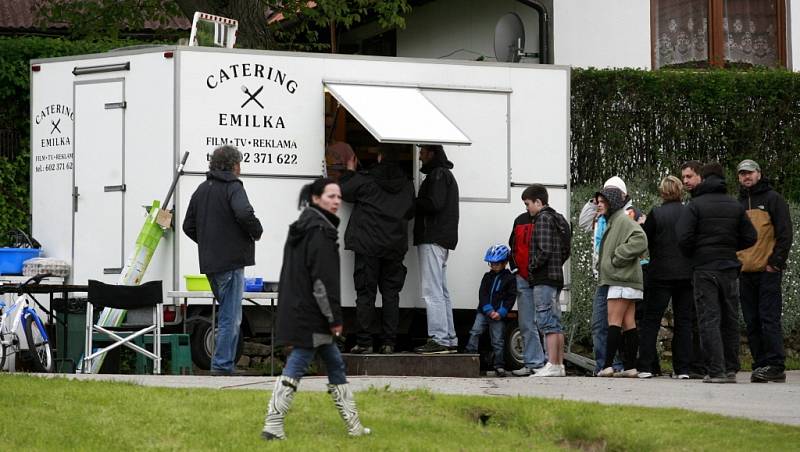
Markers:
{"x": 397, "y": 114}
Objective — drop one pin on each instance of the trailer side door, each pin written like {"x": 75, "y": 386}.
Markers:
{"x": 99, "y": 179}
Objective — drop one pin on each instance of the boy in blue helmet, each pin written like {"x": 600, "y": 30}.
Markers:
{"x": 496, "y": 296}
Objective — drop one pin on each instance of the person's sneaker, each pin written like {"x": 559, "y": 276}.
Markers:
{"x": 627, "y": 373}
{"x": 361, "y": 349}
{"x": 522, "y": 372}
{"x": 562, "y": 370}
{"x": 432, "y": 348}
{"x": 549, "y": 370}
{"x": 607, "y": 372}
{"x": 500, "y": 372}
{"x": 452, "y": 349}
{"x": 387, "y": 349}
{"x": 645, "y": 375}
{"x": 694, "y": 375}
{"x": 681, "y": 376}
{"x": 768, "y": 373}
{"x": 721, "y": 379}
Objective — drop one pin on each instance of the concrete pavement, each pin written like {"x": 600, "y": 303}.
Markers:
{"x": 772, "y": 402}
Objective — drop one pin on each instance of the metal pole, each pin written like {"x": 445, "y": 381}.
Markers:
{"x": 213, "y": 330}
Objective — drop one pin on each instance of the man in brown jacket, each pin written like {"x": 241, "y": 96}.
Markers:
{"x": 762, "y": 268}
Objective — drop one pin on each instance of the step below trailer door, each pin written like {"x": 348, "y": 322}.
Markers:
{"x": 99, "y": 180}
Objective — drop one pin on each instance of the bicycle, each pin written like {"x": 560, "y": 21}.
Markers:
{"x": 22, "y": 330}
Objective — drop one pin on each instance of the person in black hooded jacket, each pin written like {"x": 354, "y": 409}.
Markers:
{"x": 762, "y": 268}
{"x": 377, "y": 232}
{"x": 710, "y": 230}
{"x": 309, "y": 312}
{"x": 222, "y": 222}
{"x": 435, "y": 234}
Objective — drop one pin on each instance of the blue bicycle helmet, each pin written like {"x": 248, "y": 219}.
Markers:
{"x": 497, "y": 253}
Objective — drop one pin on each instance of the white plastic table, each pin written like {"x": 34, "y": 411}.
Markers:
{"x": 257, "y": 298}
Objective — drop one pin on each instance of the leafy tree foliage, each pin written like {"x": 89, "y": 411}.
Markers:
{"x": 94, "y": 19}
{"x": 307, "y": 18}
{"x": 299, "y": 27}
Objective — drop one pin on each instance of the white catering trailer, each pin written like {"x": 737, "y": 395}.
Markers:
{"x": 107, "y": 131}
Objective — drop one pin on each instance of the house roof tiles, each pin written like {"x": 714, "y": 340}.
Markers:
{"x": 20, "y": 15}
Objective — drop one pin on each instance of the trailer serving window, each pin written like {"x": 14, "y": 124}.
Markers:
{"x": 454, "y": 117}
{"x": 397, "y": 114}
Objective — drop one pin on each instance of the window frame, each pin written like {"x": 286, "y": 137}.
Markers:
{"x": 716, "y": 33}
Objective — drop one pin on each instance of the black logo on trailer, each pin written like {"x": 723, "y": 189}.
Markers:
{"x": 252, "y": 97}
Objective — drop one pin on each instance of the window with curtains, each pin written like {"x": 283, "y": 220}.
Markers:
{"x": 692, "y": 33}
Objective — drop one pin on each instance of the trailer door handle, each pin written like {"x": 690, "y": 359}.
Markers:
{"x": 113, "y": 105}
{"x": 112, "y": 271}
{"x": 109, "y": 188}
{"x": 75, "y": 196}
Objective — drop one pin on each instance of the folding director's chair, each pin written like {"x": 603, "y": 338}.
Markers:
{"x": 124, "y": 297}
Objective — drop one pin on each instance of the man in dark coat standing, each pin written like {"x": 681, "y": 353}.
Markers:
{"x": 383, "y": 202}
{"x": 710, "y": 230}
{"x": 762, "y": 268}
{"x": 222, "y": 222}
{"x": 435, "y": 234}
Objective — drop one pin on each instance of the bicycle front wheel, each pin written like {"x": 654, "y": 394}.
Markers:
{"x": 39, "y": 352}
{"x": 2, "y": 354}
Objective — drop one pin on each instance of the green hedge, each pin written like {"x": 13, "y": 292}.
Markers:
{"x": 646, "y": 123}
{"x": 15, "y": 54}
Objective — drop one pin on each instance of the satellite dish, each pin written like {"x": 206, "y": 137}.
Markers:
{"x": 509, "y": 39}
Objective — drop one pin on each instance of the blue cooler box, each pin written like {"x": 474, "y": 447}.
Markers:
{"x": 11, "y": 259}
{"x": 253, "y": 284}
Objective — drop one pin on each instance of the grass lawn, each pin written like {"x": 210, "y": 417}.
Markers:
{"x": 60, "y": 414}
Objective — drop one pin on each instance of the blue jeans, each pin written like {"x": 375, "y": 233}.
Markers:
{"x": 227, "y": 287}
{"x": 532, "y": 352}
{"x": 548, "y": 309}
{"x": 496, "y": 330}
{"x": 433, "y": 284}
{"x": 299, "y": 359}
{"x": 600, "y": 329}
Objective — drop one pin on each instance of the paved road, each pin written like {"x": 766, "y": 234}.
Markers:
{"x": 779, "y": 403}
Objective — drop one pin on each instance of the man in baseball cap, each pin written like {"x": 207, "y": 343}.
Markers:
{"x": 762, "y": 270}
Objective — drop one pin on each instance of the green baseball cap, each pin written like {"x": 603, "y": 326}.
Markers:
{"x": 748, "y": 165}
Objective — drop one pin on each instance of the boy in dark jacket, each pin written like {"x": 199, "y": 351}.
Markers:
{"x": 496, "y": 297}
{"x": 549, "y": 251}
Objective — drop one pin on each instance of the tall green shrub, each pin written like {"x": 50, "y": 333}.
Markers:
{"x": 646, "y": 123}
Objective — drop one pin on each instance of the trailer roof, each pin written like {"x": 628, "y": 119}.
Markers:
{"x": 138, "y": 50}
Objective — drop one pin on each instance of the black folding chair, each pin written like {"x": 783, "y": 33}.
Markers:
{"x": 146, "y": 295}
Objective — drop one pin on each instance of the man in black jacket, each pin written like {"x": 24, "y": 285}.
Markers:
{"x": 377, "y": 232}
{"x": 435, "y": 234}
{"x": 222, "y": 222}
{"x": 762, "y": 268}
{"x": 710, "y": 231}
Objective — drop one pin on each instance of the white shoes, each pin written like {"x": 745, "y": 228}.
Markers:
{"x": 627, "y": 373}
{"x": 551, "y": 370}
{"x": 607, "y": 372}
{"x": 645, "y": 375}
